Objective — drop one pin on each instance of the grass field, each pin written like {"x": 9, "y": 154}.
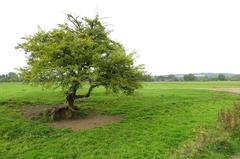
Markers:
{"x": 157, "y": 120}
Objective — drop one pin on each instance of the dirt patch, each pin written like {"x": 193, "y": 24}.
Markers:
{"x": 92, "y": 121}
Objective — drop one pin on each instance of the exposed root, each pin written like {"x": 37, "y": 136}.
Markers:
{"x": 47, "y": 112}
{"x": 63, "y": 112}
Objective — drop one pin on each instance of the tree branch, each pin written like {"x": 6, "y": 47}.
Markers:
{"x": 88, "y": 93}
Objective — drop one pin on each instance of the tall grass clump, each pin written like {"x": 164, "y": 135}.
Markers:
{"x": 229, "y": 119}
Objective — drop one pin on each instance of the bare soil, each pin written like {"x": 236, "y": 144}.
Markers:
{"x": 93, "y": 120}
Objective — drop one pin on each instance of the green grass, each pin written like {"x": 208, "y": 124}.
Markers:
{"x": 158, "y": 119}
{"x": 193, "y": 85}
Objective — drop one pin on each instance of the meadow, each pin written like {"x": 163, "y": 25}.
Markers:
{"x": 158, "y": 119}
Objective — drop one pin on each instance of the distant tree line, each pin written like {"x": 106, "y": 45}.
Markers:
{"x": 10, "y": 77}
{"x": 15, "y": 77}
{"x": 192, "y": 77}
{"x": 189, "y": 77}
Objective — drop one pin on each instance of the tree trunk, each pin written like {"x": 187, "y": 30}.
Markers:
{"x": 65, "y": 112}
{"x": 70, "y": 100}
{"x": 69, "y": 111}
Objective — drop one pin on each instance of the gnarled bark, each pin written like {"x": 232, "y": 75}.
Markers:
{"x": 71, "y": 97}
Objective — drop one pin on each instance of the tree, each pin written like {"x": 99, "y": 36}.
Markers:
{"x": 221, "y": 77}
{"x": 160, "y": 78}
{"x": 172, "y": 78}
{"x": 77, "y": 52}
{"x": 3, "y": 78}
{"x": 13, "y": 77}
{"x": 10, "y": 77}
{"x": 189, "y": 77}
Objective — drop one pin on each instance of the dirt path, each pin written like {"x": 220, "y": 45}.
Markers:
{"x": 230, "y": 90}
{"x": 235, "y": 157}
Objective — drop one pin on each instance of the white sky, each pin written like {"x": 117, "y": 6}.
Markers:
{"x": 171, "y": 36}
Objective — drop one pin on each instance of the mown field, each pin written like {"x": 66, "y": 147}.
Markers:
{"x": 157, "y": 120}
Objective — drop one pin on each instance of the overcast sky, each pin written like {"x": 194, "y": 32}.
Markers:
{"x": 170, "y": 36}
